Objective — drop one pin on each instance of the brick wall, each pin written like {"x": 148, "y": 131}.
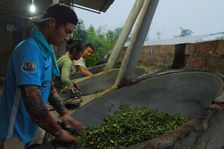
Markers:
{"x": 207, "y": 56}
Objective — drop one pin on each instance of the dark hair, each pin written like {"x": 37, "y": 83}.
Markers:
{"x": 77, "y": 44}
{"x": 89, "y": 45}
{"x": 61, "y": 12}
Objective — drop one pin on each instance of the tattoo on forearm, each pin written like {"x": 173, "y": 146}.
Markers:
{"x": 56, "y": 101}
{"x": 38, "y": 110}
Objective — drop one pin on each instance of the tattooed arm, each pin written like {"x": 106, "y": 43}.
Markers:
{"x": 39, "y": 113}
{"x": 56, "y": 101}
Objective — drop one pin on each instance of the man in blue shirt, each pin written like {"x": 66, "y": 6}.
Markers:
{"x": 27, "y": 86}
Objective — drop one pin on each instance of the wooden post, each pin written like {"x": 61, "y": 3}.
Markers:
{"x": 124, "y": 34}
{"x": 137, "y": 41}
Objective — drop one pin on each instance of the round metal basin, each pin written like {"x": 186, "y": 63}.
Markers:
{"x": 99, "y": 83}
{"x": 187, "y": 93}
{"x": 94, "y": 70}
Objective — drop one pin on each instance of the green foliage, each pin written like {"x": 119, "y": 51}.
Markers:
{"x": 80, "y": 32}
{"x": 185, "y": 32}
{"x": 129, "y": 126}
{"x": 92, "y": 60}
{"x": 102, "y": 40}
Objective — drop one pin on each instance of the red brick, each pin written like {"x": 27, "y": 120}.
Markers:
{"x": 206, "y": 47}
{"x": 139, "y": 58}
{"x": 190, "y": 49}
{"x": 154, "y": 50}
{"x": 147, "y": 48}
{"x": 145, "y": 58}
{"x": 196, "y": 62}
{"x": 220, "y": 47}
{"x": 215, "y": 63}
{"x": 154, "y": 59}
{"x": 168, "y": 60}
{"x": 166, "y": 49}
{"x": 142, "y": 58}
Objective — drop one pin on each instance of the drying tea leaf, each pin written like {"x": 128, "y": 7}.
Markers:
{"x": 129, "y": 126}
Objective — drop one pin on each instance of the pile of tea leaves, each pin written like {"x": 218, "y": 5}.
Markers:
{"x": 128, "y": 126}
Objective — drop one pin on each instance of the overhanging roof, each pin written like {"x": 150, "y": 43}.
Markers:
{"x": 99, "y": 5}
{"x": 20, "y": 7}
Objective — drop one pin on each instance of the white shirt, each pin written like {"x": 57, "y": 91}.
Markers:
{"x": 79, "y": 62}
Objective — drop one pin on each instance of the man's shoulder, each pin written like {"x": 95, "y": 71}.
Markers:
{"x": 27, "y": 46}
{"x": 28, "y": 42}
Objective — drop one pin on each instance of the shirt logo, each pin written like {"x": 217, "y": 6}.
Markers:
{"x": 29, "y": 67}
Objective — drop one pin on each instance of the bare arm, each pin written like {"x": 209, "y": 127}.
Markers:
{"x": 85, "y": 71}
{"x": 55, "y": 101}
{"x": 40, "y": 114}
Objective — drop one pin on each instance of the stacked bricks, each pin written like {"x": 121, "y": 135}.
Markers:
{"x": 208, "y": 56}
{"x": 154, "y": 55}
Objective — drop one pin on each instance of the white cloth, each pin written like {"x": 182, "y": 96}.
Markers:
{"x": 220, "y": 98}
{"x": 76, "y": 63}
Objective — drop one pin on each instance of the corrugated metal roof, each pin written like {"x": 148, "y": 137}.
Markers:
{"x": 182, "y": 40}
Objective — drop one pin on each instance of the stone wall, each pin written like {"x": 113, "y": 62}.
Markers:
{"x": 207, "y": 56}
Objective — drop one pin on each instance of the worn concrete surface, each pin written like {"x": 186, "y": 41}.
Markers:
{"x": 203, "y": 132}
{"x": 187, "y": 93}
{"x": 96, "y": 84}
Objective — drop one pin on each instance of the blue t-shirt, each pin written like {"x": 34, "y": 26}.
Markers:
{"x": 27, "y": 66}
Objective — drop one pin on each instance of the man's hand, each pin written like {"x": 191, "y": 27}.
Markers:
{"x": 65, "y": 137}
{"x": 217, "y": 106}
{"x": 68, "y": 120}
{"x": 76, "y": 87}
{"x": 71, "y": 92}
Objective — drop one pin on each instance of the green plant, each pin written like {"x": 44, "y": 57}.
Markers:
{"x": 92, "y": 60}
{"x": 129, "y": 126}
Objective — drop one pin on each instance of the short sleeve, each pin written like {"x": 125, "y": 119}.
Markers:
{"x": 27, "y": 64}
{"x": 80, "y": 62}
